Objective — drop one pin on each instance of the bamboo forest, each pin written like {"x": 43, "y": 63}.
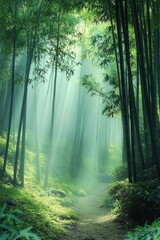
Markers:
{"x": 80, "y": 119}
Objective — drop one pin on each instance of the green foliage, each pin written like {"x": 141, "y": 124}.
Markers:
{"x": 3, "y": 144}
{"x": 115, "y": 154}
{"x": 9, "y": 226}
{"x": 120, "y": 173}
{"x": 92, "y": 85}
{"x": 136, "y": 202}
{"x": 108, "y": 201}
{"x": 47, "y": 214}
{"x": 4, "y": 76}
{"x": 148, "y": 174}
{"x": 110, "y": 98}
{"x": 99, "y": 42}
{"x": 37, "y": 25}
{"x": 147, "y": 232}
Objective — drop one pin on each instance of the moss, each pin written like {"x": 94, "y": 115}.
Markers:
{"x": 45, "y": 214}
{"x": 48, "y": 215}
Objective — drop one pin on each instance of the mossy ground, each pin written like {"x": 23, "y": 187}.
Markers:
{"x": 48, "y": 215}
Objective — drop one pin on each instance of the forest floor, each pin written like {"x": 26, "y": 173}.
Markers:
{"x": 95, "y": 221}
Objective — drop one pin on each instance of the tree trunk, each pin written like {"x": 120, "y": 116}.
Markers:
{"x": 124, "y": 94}
{"x": 48, "y": 163}
{"x": 12, "y": 90}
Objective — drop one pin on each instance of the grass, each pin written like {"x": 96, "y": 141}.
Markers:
{"x": 48, "y": 215}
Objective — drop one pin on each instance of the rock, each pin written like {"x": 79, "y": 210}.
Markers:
{"x": 56, "y": 192}
{"x": 70, "y": 227}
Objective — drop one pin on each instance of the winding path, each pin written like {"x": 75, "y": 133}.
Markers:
{"x": 95, "y": 222}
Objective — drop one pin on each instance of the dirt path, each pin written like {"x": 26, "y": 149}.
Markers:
{"x": 95, "y": 222}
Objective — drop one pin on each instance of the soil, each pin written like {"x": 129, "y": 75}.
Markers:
{"x": 95, "y": 221}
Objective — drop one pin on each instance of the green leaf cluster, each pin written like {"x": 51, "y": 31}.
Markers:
{"x": 110, "y": 99}
{"x": 106, "y": 85}
{"x": 146, "y": 232}
{"x": 9, "y": 226}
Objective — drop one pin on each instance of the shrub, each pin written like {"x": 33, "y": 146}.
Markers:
{"x": 10, "y": 223}
{"x": 148, "y": 232}
{"x": 120, "y": 173}
{"x": 136, "y": 202}
{"x": 148, "y": 174}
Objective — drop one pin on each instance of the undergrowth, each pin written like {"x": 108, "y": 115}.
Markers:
{"x": 146, "y": 232}
{"x": 10, "y": 225}
{"x": 48, "y": 215}
{"x": 44, "y": 213}
{"x": 136, "y": 202}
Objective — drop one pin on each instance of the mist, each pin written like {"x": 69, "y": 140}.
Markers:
{"x": 83, "y": 143}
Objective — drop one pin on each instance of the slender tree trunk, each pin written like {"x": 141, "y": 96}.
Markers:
{"x": 12, "y": 90}
{"x": 30, "y": 51}
{"x": 124, "y": 154}
{"x": 48, "y": 163}
{"x": 147, "y": 101}
{"x": 36, "y": 142}
{"x": 124, "y": 95}
{"x": 22, "y": 163}
{"x": 133, "y": 110}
